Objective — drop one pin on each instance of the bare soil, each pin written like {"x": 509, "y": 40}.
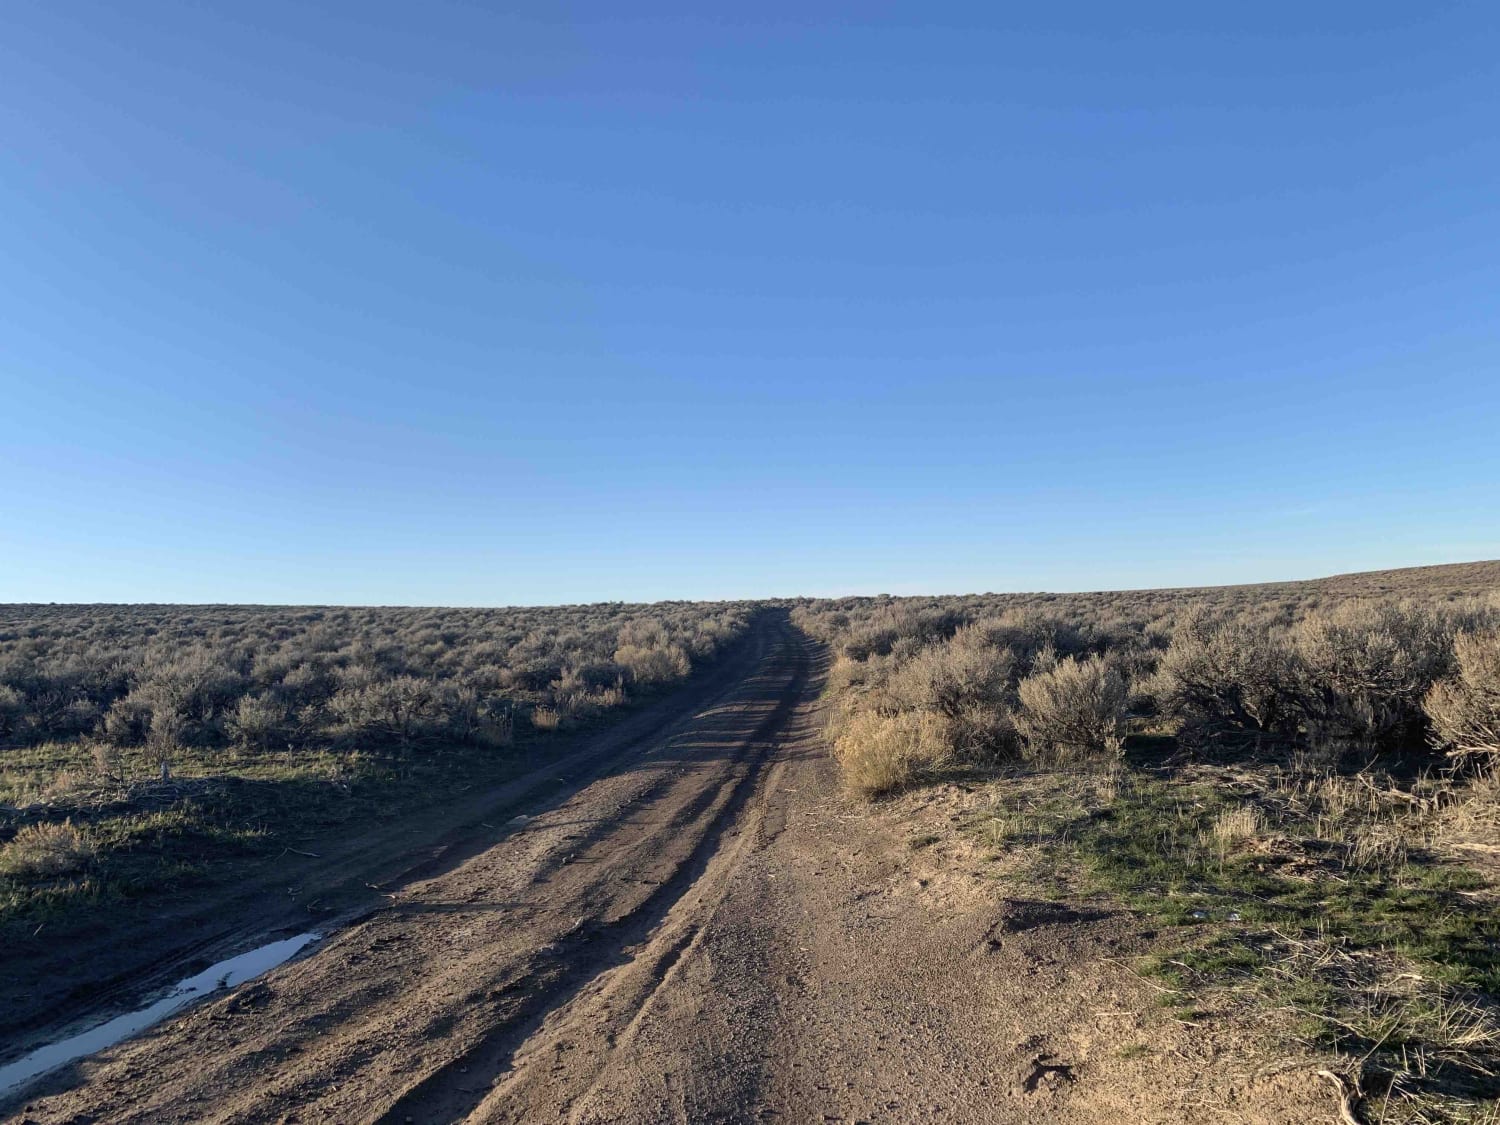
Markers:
{"x": 699, "y": 928}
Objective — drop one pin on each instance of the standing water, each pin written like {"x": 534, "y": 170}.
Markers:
{"x": 226, "y": 974}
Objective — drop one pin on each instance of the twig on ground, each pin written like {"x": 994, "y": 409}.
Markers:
{"x": 1349, "y": 1095}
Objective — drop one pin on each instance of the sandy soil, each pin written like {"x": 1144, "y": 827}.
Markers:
{"x": 708, "y": 931}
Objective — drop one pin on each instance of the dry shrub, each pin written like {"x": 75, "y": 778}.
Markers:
{"x": 545, "y": 718}
{"x": 1366, "y": 667}
{"x": 982, "y": 732}
{"x": 1465, "y": 710}
{"x": 257, "y": 721}
{"x": 168, "y": 730}
{"x": 605, "y": 698}
{"x": 107, "y": 760}
{"x": 498, "y": 729}
{"x": 1074, "y": 712}
{"x": 966, "y": 684}
{"x": 177, "y": 680}
{"x": 653, "y": 665}
{"x": 1229, "y": 678}
{"x": 128, "y": 721}
{"x": 12, "y": 710}
{"x": 44, "y": 851}
{"x": 845, "y": 675}
{"x": 882, "y": 753}
{"x": 400, "y": 709}
{"x": 944, "y": 677}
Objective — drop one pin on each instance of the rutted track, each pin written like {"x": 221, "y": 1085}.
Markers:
{"x": 416, "y": 1010}
{"x": 48, "y": 987}
{"x": 598, "y": 946}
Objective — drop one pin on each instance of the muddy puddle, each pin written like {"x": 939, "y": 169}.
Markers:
{"x": 226, "y": 974}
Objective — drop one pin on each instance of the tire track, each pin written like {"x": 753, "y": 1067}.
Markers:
{"x": 593, "y": 950}
{"x": 418, "y": 1009}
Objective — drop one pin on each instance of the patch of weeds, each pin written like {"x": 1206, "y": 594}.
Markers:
{"x": 1328, "y": 906}
{"x": 917, "y": 843}
{"x": 1133, "y": 1051}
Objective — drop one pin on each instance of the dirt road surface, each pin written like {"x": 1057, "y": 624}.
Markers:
{"x": 706, "y": 932}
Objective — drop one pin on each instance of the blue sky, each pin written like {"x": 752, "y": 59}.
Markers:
{"x": 435, "y": 304}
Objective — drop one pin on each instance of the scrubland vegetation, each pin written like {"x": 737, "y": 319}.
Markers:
{"x": 1302, "y": 776}
{"x": 140, "y": 745}
{"x": 1296, "y": 787}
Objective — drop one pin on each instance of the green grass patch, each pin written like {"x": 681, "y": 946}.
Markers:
{"x": 221, "y": 808}
{"x": 1335, "y": 911}
{"x": 1156, "y": 845}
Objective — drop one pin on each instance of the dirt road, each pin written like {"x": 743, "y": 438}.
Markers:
{"x": 707, "y": 932}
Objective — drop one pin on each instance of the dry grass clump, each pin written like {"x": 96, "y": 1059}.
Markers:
{"x": 1424, "y": 1051}
{"x": 882, "y": 753}
{"x": 545, "y": 718}
{"x": 1470, "y": 822}
{"x": 1233, "y": 827}
{"x": 45, "y": 851}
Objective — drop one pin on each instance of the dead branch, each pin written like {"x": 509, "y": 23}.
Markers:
{"x": 1348, "y": 1097}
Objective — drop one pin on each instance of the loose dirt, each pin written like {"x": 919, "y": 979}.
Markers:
{"x": 705, "y": 931}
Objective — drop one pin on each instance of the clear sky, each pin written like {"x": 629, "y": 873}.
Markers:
{"x": 487, "y": 304}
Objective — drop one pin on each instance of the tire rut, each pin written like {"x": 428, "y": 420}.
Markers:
{"x": 425, "y": 1006}
{"x": 347, "y": 871}
{"x": 594, "y": 950}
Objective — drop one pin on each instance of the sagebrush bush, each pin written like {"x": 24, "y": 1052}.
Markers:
{"x": 1365, "y": 669}
{"x": 952, "y": 678}
{"x": 12, "y": 710}
{"x": 1465, "y": 709}
{"x": 257, "y": 721}
{"x": 1294, "y": 669}
{"x": 127, "y": 722}
{"x": 1225, "y": 677}
{"x": 45, "y": 851}
{"x": 397, "y": 710}
{"x": 963, "y": 682}
{"x": 1073, "y": 712}
{"x": 161, "y": 683}
{"x": 653, "y": 664}
{"x": 880, "y": 754}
